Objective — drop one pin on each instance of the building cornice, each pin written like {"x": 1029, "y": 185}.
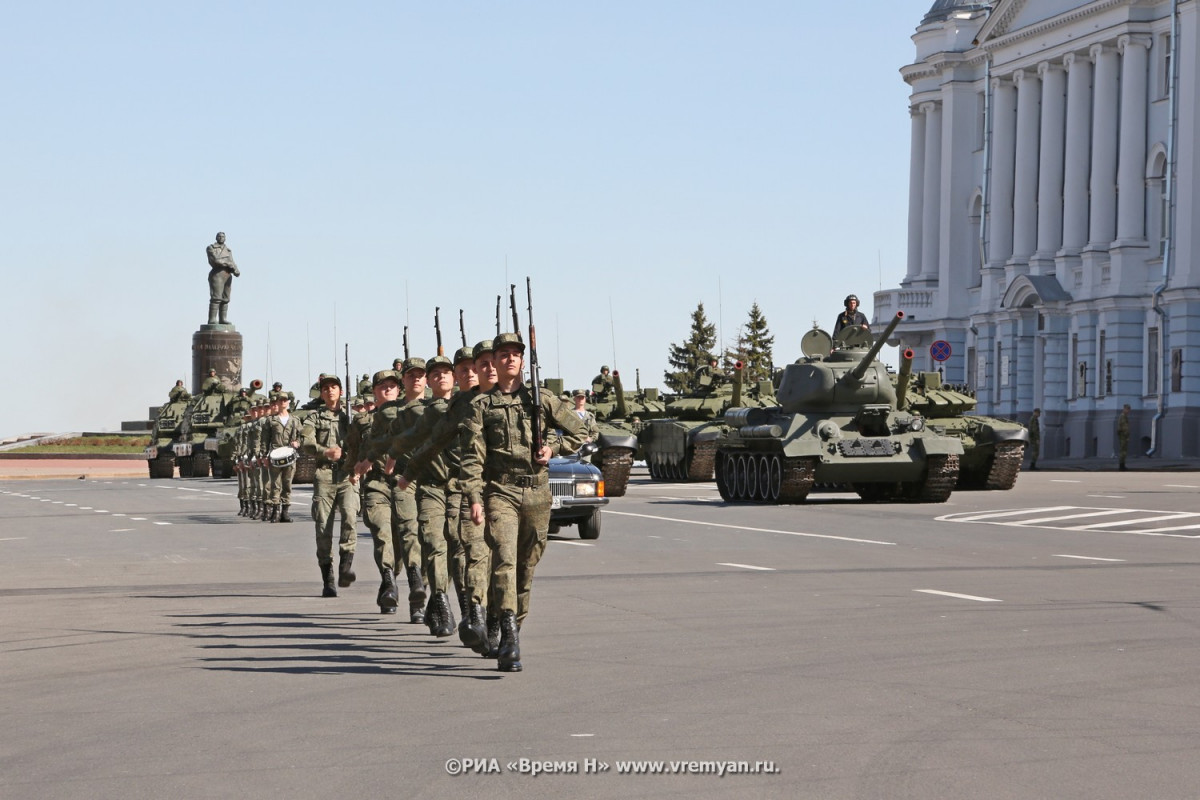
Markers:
{"x": 995, "y": 34}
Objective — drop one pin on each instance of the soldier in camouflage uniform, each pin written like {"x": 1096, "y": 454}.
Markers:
{"x": 1035, "y": 437}
{"x": 283, "y": 430}
{"x": 1123, "y": 436}
{"x": 378, "y": 509}
{"x": 255, "y": 440}
{"x": 501, "y": 470}
{"x": 324, "y": 435}
{"x": 579, "y": 396}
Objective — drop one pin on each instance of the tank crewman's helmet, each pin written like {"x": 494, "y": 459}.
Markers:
{"x": 850, "y": 297}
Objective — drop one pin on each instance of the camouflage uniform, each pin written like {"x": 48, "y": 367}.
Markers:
{"x": 1035, "y": 440}
{"x": 1122, "y": 438}
{"x": 256, "y": 441}
{"x": 332, "y": 490}
{"x": 500, "y": 472}
{"x": 281, "y": 434}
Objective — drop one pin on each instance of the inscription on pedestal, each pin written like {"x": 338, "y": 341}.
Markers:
{"x": 217, "y": 347}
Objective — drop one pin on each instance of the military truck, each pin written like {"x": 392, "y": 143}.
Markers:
{"x": 837, "y": 421}
{"x": 160, "y": 455}
{"x": 993, "y": 448}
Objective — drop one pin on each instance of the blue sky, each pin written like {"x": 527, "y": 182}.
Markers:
{"x": 370, "y": 161}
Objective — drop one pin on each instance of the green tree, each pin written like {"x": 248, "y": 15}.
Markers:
{"x": 753, "y": 348}
{"x": 686, "y": 358}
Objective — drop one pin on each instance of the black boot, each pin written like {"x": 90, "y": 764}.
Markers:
{"x": 345, "y": 570}
{"x": 508, "y": 655}
{"x": 388, "y": 597}
{"x": 416, "y": 595}
{"x": 283, "y": 513}
{"x": 241, "y": 507}
{"x": 328, "y": 590}
{"x": 443, "y": 624}
{"x": 431, "y": 614}
{"x": 493, "y": 637}
{"x": 273, "y": 514}
{"x": 473, "y": 631}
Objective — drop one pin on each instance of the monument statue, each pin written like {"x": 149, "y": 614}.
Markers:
{"x": 220, "y": 278}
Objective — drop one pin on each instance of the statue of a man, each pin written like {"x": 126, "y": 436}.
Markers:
{"x": 220, "y": 278}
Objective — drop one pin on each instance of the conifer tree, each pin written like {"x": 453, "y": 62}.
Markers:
{"x": 686, "y": 358}
{"x": 755, "y": 347}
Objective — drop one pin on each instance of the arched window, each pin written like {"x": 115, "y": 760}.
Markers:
{"x": 1158, "y": 202}
{"x": 975, "y": 218}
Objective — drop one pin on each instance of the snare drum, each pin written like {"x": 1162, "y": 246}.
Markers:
{"x": 283, "y": 457}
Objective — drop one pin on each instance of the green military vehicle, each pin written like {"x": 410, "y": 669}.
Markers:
{"x": 621, "y": 415}
{"x": 838, "y": 421}
{"x": 993, "y": 448}
{"x": 225, "y": 458}
{"x": 197, "y": 443}
{"x": 682, "y": 445}
{"x": 160, "y": 457}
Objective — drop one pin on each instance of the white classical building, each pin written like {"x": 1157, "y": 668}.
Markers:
{"x": 1054, "y": 215}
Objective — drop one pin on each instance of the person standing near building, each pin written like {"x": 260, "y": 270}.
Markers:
{"x": 324, "y": 436}
{"x": 1123, "y": 436}
{"x": 1035, "y": 437}
{"x": 502, "y": 471}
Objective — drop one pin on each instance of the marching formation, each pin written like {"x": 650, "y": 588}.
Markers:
{"x": 452, "y": 483}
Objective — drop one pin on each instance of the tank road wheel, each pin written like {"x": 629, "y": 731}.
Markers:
{"x": 653, "y": 467}
{"x": 201, "y": 464}
{"x": 940, "y": 477}
{"x": 739, "y": 492}
{"x": 751, "y": 477}
{"x": 774, "y": 484}
{"x": 723, "y": 477}
{"x": 764, "y": 479}
{"x": 615, "y": 466}
{"x": 1006, "y": 465}
{"x": 185, "y": 466}
{"x": 799, "y": 474}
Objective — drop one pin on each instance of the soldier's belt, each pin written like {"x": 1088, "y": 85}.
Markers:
{"x": 523, "y": 481}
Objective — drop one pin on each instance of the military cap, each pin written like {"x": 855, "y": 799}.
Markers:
{"x": 383, "y": 375}
{"x": 411, "y": 364}
{"x": 275, "y": 397}
{"x": 579, "y": 393}
{"x": 357, "y": 400}
{"x": 438, "y": 361}
{"x": 484, "y": 347}
{"x": 464, "y": 354}
{"x": 510, "y": 339}
{"x": 324, "y": 379}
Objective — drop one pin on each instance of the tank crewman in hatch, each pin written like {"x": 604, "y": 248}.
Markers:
{"x": 602, "y": 384}
{"x": 851, "y": 316}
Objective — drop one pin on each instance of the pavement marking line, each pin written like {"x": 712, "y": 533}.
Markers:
{"x": 14, "y": 539}
{"x": 577, "y": 544}
{"x": 752, "y": 530}
{"x": 186, "y": 489}
{"x": 139, "y": 519}
{"x": 162, "y": 523}
{"x": 1090, "y": 558}
{"x": 960, "y": 596}
{"x": 745, "y": 566}
{"x": 121, "y": 530}
{"x": 85, "y": 508}
{"x": 1138, "y": 521}
{"x": 118, "y": 515}
{"x": 1108, "y": 496}
{"x": 1108, "y": 512}
{"x": 223, "y": 494}
{"x": 582, "y": 735}
{"x": 1063, "y": 480}
{"x": 975, "y": 516}
{"x": 101, "y": 511}
{"x": 1164, "y": 531}
{"x": 1179, "y": 486}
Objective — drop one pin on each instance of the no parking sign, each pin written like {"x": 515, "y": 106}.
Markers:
{"x": 940, "y": 350}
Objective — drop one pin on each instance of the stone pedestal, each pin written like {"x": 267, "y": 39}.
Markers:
{"x": 217, "y": 347}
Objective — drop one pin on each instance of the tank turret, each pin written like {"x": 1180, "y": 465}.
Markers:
{"x": 842, "y": 381}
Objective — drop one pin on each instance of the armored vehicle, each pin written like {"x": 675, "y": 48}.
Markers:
{"x": 837, "y": 421}
{"x": 160, "y": 457}
{"x": 197, "y": 442}
{"x": 621, "y": 416}
{"x": 682, "y": 445}
{"x": 223, "y": 459}
{"x": 993, "y": 448}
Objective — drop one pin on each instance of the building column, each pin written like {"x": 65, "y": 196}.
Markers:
{"x": 1078, "y": 152}
{"x": 1102, "y": 221}
{"x": 1131, "y": 174}
{"x": 1050, "y": 170}
{"x": 1025, "y": 185}
{"x": 1004, "y": 142}
{"x": 931, "y": 204}
{"x": 916, "y": 193}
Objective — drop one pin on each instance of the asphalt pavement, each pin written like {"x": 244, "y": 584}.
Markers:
{"x": 1040, "y": 642}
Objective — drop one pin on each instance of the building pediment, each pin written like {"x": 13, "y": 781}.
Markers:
{"x": 1027, "y": 291}
{"x": 1014, "y": 16}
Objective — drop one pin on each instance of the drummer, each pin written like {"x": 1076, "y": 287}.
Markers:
{"x": 283, "y": 431}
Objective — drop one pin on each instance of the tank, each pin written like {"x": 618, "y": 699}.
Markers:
{"x": 682, "y": 445}
{"x": 618, "y": 439}
{"x": 196, "y": 444}
{"x": 223, "y": 460}
{"x": 993, "y": 448}
{"x": 837, "y": 421}
{"x": 160, "y": 457}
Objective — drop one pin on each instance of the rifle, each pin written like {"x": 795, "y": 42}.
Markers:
{"x": 462, "y": 330}
{"x": 535, "y": 422}
{"x": 346, "y": 392}
{"x": 512, "y": 304}
{"x": 406, "y": 341}
{"x": 437, "y": 328}
{"x": 497, "y": 315}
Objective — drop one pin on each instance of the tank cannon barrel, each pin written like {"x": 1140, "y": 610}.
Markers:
{"x": 855, "y": 375}
{"x": 621, "y": 411}
{"x": 737, "y": 384}
{"x": 903, "y": 377}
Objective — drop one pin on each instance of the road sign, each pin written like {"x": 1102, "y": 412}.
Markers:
{"x": 940, "y": 350}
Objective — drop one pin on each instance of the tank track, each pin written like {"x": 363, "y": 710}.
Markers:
{"x": 615, "y": 466}
{"x": 799, "y": 474}
{"x": 701, "y": 465}
{"x": 1006, "y": 465}
{"x": 939, "y": 481}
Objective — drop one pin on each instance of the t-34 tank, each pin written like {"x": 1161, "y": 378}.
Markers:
{"x": 160, "y": 457}
{"x": 683, "y": 445}
{"x": 198, "y": 440}
{"x": 837, "y": 421}
{"x": 993, "y": 448}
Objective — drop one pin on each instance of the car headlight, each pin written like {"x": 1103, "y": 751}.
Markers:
{"x": 585, "y": 490}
